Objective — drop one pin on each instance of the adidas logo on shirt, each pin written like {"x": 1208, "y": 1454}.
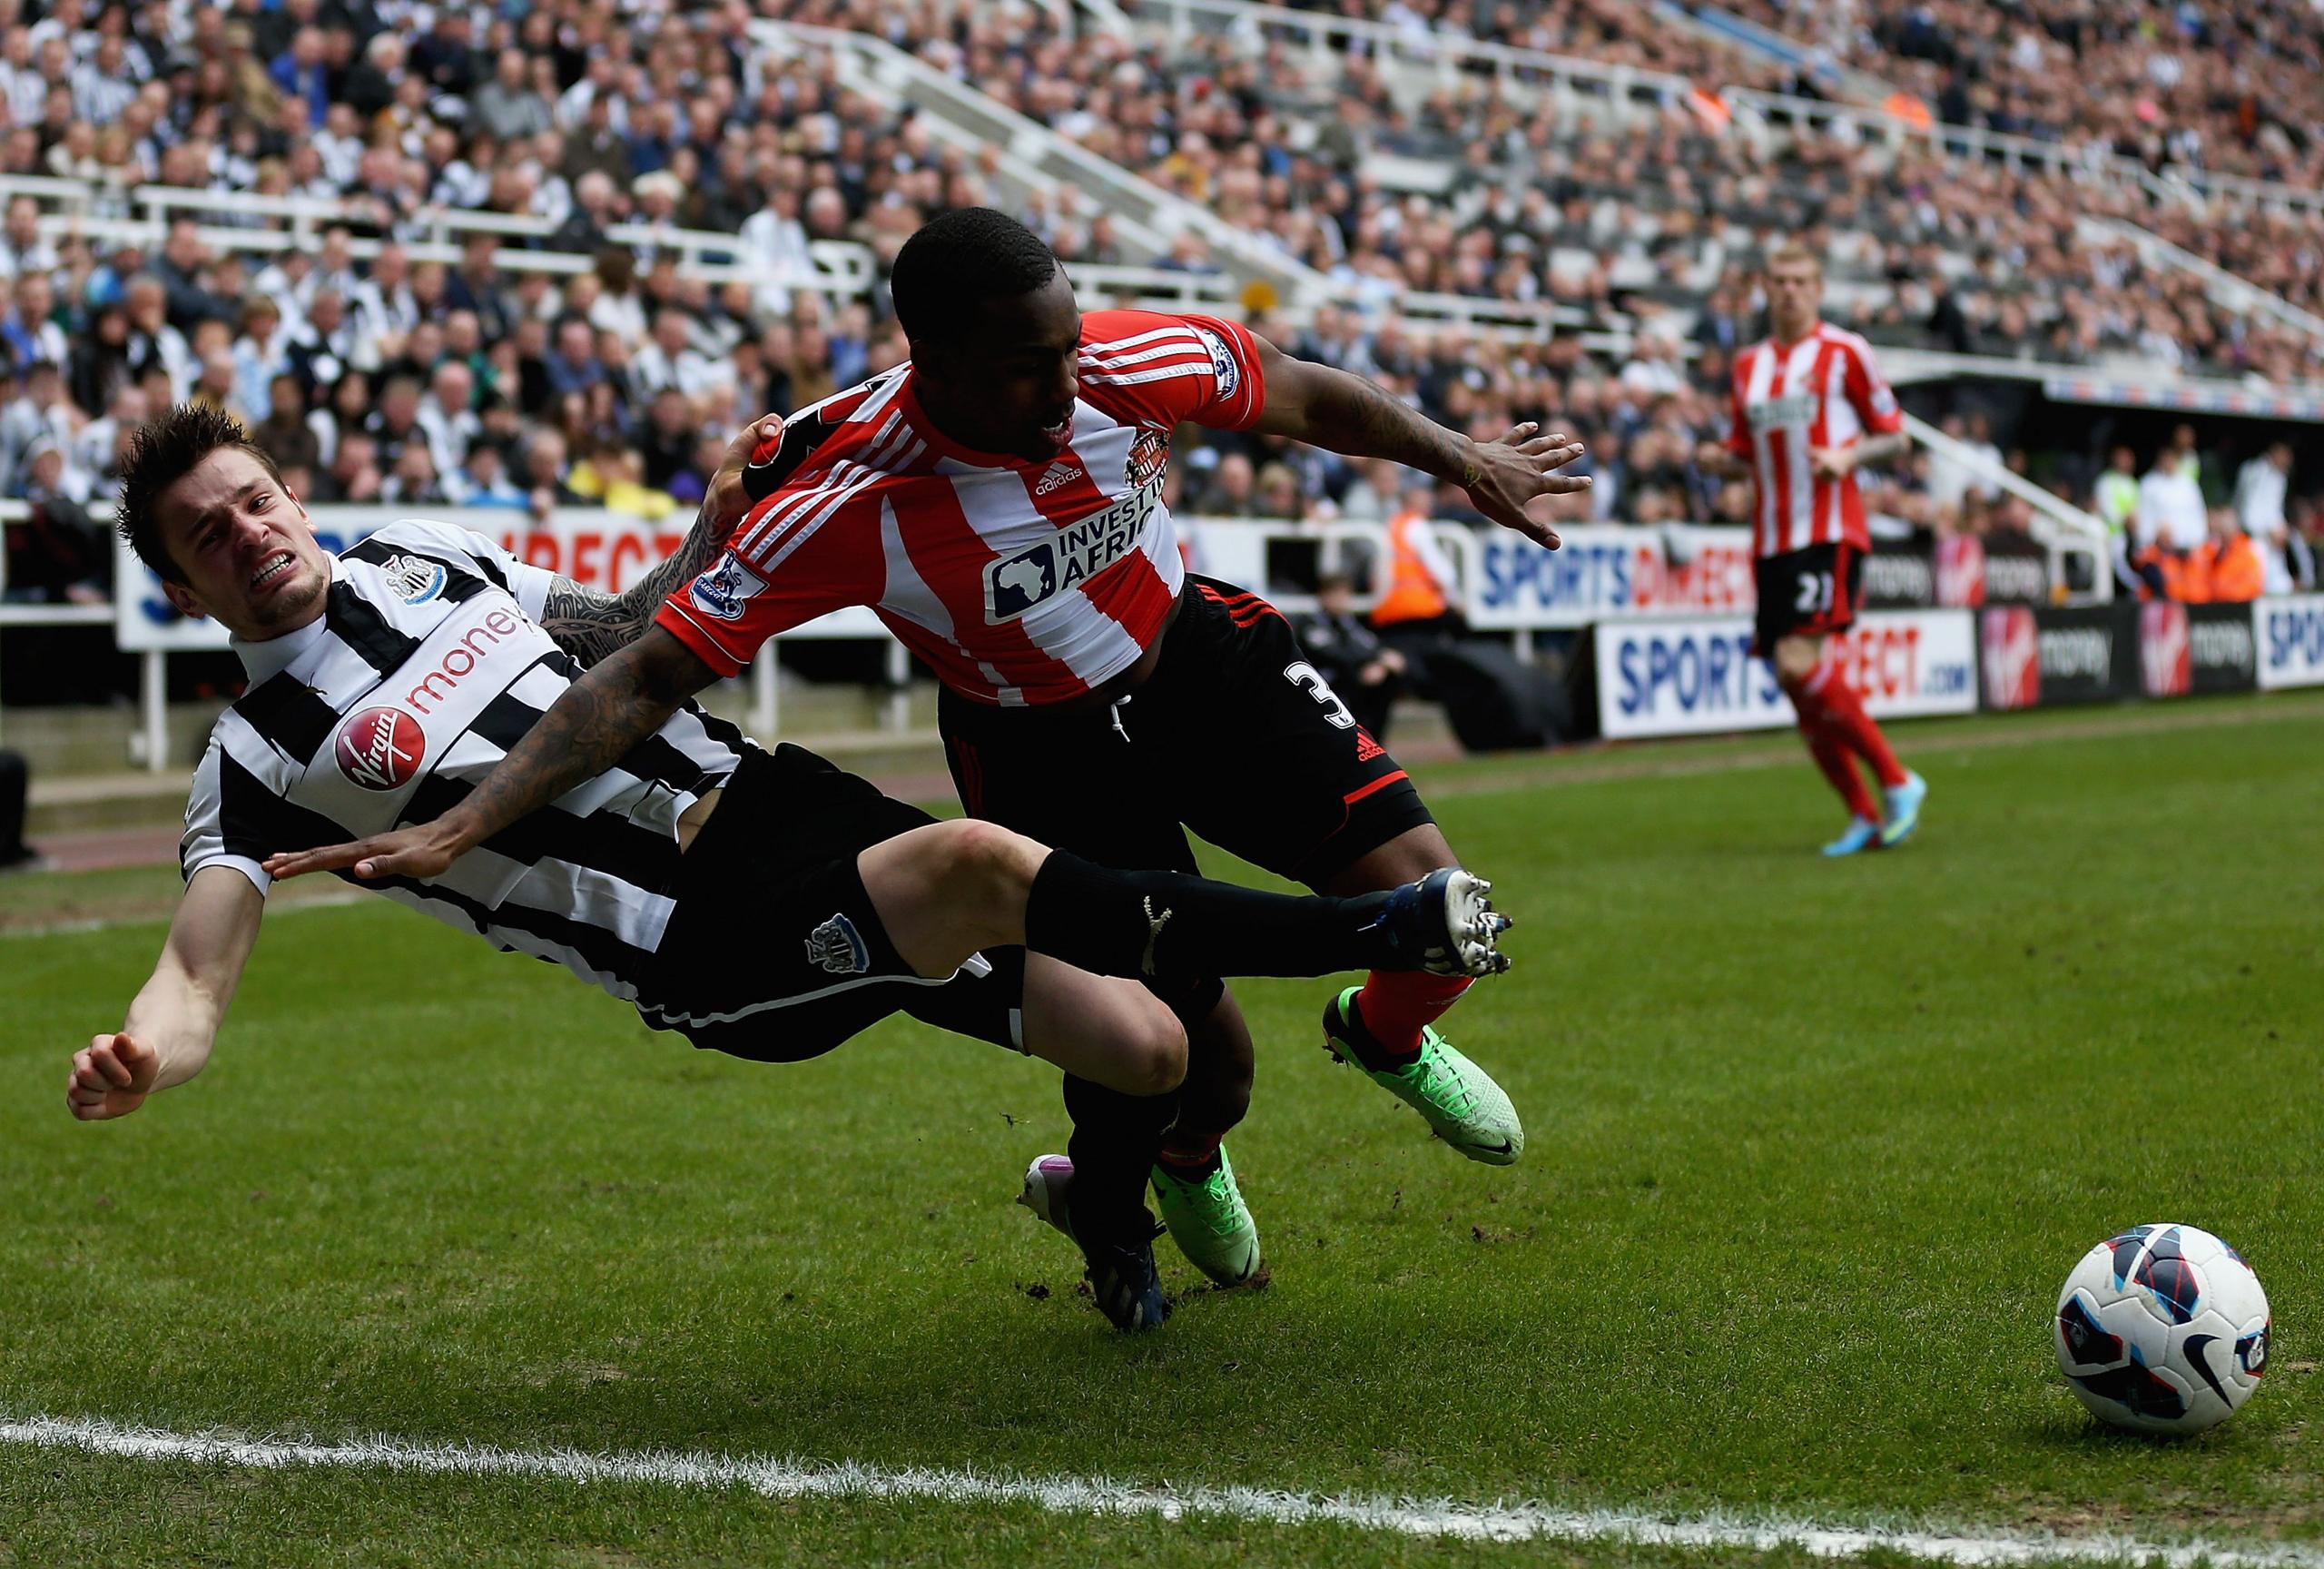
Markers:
{"x": 1059, "y": 473}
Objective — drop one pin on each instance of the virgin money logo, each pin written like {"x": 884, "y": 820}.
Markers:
{"x": 1960, "y": 571}
{"x": 379, "y": 748}
{"x": 2012, "y": 659}
{"x": 2163, "y": 663}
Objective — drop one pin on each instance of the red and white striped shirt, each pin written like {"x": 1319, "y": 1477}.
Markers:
{"x": 1789, "y": 399}
{"x": 1018, "y": 582}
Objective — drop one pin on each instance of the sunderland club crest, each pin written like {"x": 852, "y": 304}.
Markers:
{"x": 1149, "y": 455}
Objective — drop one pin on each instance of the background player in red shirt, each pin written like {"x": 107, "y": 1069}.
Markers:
{"x": 998, "y": 500}
{"x": 1808, "y": 408}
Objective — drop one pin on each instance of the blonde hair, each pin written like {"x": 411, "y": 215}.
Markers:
{"x": 1791, "y": 252}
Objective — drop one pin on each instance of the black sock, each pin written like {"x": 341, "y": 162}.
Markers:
{"x": 1167, "y": 923}
{"x": 1115, "y": 1138}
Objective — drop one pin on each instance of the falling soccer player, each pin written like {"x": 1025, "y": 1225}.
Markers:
{"x": 763, "y": 904}
{"x": 998, "y": 499}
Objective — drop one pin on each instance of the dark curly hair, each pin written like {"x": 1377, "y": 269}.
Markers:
{"x": 165, "y": 450}
{"x": 955, "y": 263}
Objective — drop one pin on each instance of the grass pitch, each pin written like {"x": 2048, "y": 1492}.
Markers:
{"x": 1810, "y": 1146}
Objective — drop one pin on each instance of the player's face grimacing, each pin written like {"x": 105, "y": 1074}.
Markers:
{"x": 243, "y": 545}
{"x": 1007, "y": 382}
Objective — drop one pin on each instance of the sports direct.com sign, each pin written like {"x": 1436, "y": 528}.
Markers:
{"x": 2288, "y": 632}
{"x": 1695, "y": 677}
{"x": 1600, "y": 573}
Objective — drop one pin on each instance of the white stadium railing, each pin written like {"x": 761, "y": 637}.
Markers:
{"x": 2058, "y": 527}
{"x": 142, "y": 216}
{"x": 2223, "y": 288}
{"x": 903, "y": 78}
{"x": 1450, "y": 58}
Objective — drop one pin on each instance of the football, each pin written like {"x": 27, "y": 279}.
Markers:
{"x": 2162, "y": 1329}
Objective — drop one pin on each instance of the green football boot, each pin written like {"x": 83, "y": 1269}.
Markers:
{"x": 1459, "y": 1100}
{"x": 1210, "y": 1223}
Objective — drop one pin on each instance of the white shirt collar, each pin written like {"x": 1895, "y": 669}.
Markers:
{"x": 268, "y": 657}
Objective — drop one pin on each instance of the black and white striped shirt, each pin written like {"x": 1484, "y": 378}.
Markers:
{"x": 425, "y": 668}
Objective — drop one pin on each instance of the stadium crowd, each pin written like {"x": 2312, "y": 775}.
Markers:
{"x": 2212, "y": 85}
{"x": 479, "y": 381}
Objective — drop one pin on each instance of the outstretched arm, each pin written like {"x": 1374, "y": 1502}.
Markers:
{"x": 167, "y": 1036}
{"x": 1332, "y": 409}
{"x": 622, "y": 700}
{"x": 589, "y": 622}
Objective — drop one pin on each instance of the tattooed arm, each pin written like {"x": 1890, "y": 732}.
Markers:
{"x": 590, "y": 624}
{"x": 621, "y": 700}
{"x": 1332, "y": 409}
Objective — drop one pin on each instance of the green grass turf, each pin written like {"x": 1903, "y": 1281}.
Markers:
{"x": 1810, "y": 1146}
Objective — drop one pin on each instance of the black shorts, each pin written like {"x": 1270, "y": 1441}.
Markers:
{"x": 1807, "y": 593}
{"x": 773, "y": 951}
{"x": 1235, "y": 735}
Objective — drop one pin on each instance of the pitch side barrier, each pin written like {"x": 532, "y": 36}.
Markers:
{"x": 600, "y": 550}
{"x": 1667, "y": 614}
{"x": 1678, "y": 675}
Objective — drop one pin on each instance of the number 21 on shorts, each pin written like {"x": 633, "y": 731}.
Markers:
{"x": 1815, "y": 594}
{"x": 1306, "y": 676}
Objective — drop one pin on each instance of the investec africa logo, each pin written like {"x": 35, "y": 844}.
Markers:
{"x": 2165, "y": 666}
{"x": 379, "y": 748}
{"x": 1076, "y": 552}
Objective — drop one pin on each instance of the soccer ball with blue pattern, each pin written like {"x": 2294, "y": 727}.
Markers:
{"x": 2163, "y": 1329}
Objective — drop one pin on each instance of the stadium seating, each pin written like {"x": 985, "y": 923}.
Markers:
{"x": 627, "y": 227}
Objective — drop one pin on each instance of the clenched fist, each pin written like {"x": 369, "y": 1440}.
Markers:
{"x": 112, "y": 1076}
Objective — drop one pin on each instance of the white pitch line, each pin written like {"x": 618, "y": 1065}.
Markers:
{"x": 337, "y": 901}
{"x": 1518, "y": 1521}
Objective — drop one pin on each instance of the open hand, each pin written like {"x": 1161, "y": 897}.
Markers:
{"x": 1504, "y": 478}
{"x": 112, "y": 1076}
{"x": 423, "y": 850}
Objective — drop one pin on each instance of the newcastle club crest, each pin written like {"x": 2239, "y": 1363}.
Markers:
{"x": 838, "y": 947}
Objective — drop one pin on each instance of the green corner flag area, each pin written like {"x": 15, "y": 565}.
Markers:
{"x": 445, "y": 1259}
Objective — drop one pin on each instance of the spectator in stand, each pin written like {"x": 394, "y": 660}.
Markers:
{"x": 1275, "y": 495}
{"x": 395, "y": 425}
{"x": 2229, "y": 568}
{"x": 545, "y": 469}
{"x": 31, "y": 331}
{"x": 1367, "y": 673}
{"x": 485, "y": 482}
{"x": 284, "y": 434}
{"x": 2259, "y": 488}
{"x": 1416, "y": 579}
{"x": 447, "y": 416}
{"x": 354, "y": 474}
{"x": 261, "y": 354}
{"x": 57, "y": 553}
{"x": 2172, "y": 525}
{"x": 22, "y": 249}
